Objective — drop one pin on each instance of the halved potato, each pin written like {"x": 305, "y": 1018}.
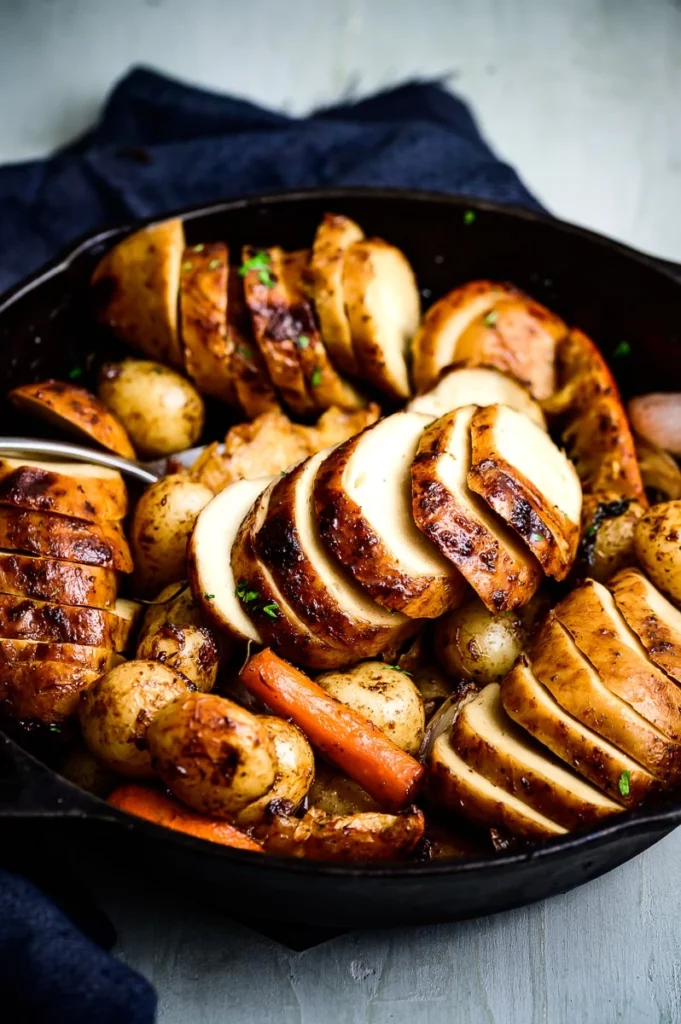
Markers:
{"x": 368, "y": 836}
{"x": 531, "y": 705}
{"x": 363, "y": 505}
{"x": 658, "y": 547}
{"x": 322, "y": 593}
{"x": 654, "y": 620}
{"x": 488, "y": 554}
{"x": 50, "y": 579}
{"x": 47, "y": 691}
{"x": 492, "y": 744}
{"x": 136, "y": 286}
{"x": 25, "y": 619}
{"x": 75, "y": 410}
{"x": 252, "y": 384}
{"x": 191, "y": 651}
{"x": 460, "y": 788}
{"x": 206, "y": 341}
{"x": 435, "y": 344}
{"x": 383, "y": 306}
{"x": 209, "y": 557}
{"x": 78, "y": 489}
{"x": 334, "y": 237}
{"x": 559, "y": 664}
{"x": 263, "y": 602}
{"x": 529, "y": 482}
{"x": 295, "y": 769}
{"x": 590, "y": 615}
{"x": 475, "y": 385}
{"x": 518, "y": 336}
{"x": 275, "y": 329}
{"x": 325, "y": 386}
{"x": 39, "y": 533}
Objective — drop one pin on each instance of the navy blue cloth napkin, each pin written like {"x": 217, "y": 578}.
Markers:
{"x": 160, "y": 145}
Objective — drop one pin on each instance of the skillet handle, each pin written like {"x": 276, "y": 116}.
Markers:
{"x": 29, "y": 789}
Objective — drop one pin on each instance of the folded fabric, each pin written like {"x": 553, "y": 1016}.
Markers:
{"x": 161, "y": 145}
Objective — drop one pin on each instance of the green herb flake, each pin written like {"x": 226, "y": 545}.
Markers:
{"x": 245, "y": 595}
{"x": 316, "y": 378}
{"x": 396, "y": 668}
{"x": 244, "y": 351}
{"x": 260, "y": 261}
{"x": 624, "y": 783}
{"x": 282, "y": 472}
{"x": 621, "y": 350}
{"x": 266, "y": 278}
{"x": 214, "y": 264}
{"x": 469, "y": 217}
{"x": 271, "y": 609}
{"x": 209, "y": 597}
{"x": 591, "y": 532}
{"x": 76, "y": 373}
{"x": 199, "y": 248}
{"x": 536, "y": 537}
{"x": 303, "y": 341}
{"x": 491, "y": 318}
{"x": 187, "y": 266}
{"x": 55, "y": 728}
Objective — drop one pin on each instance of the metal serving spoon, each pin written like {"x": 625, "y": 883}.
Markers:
{"x": 19, "y": 447}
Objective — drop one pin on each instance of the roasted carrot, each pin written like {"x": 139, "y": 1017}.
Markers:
{"x": 163, "y": 810}
{"x": 339, "y": 732}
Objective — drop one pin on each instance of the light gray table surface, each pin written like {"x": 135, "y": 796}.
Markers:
{"x": 584, "y": 97}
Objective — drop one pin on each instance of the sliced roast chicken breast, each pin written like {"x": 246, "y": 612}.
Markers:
{"x": 50, "y": 579}
{"x": 209, "y": 553}
{"x": 21, "y": 652}
{"x": 26, "y": 619}
{"x": 322, "y": 592}
{"x": 491, "y": 743}
{"x": 574, "y": 683}
{"x": 460, "y": 788}
{"x": 383, "y": 307}
{"x": 591, "y": 616}
{"x": 334, "y": 237}
{"x": 206, "y": 341}
{"x": 529, "y": 482}
{"x": 252, "y": 385}
{"x": 460, "y": 524}
{"x": 363, "y": 505}
{"x": 76, "y": 489}
{"x": 532, "y": 706}
{"x": 654, "y": 619}
{"x": 71, "y": 539}
{"x": 475, "y": 385}
{"x": 47, "y": 691}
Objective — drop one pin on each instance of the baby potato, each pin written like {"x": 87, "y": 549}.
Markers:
{"x": 117, "y": 709}
{"x": 477, "y": 644}
{"x": 658, "y": 547}
{"x": 295, "y": 772}
{"x": 190, "y": 651}
{"x": 213, "y": 754}
{"x": 162, "y": 412}
{"x": 161, "y": 524}
{"x": 383, "y": 694}
{"x": 608, "y": 526}
{"x": 175, "y": 604}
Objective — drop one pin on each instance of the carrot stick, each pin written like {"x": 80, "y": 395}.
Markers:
{"x": 339, "y": 732}
{"x": 163, "y": 810}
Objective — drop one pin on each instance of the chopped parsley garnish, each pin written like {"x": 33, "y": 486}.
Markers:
{"x": 397, "y": 668}
{"x": 271, "y": 609}
{"x": 244, "y": 351}
{"x": 214, "y": 264}
{"x": 76, "y": 373}
{"x": 316, "y": 378}
{"x": 245, "y": 595}
{"x": 623, "y": 784}
{"x": 199, "y": 248}
{"x": 55, "y": 728}
{"x": 187, "y": 266}
{"x": 536, "y": 537}
{"x": 622, "y": 349}
{"x": 303, "y": 341}
{"x": 469, "y": 217}
{"x": 261, "y": 261}
{"x": 491, "y": 318}
{"x": 266, "y": 278}
{"x": 591, "y": 532}
{"x": 209, "y": 597}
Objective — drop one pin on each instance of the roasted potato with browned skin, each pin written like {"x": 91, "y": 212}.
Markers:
{"x": 161, "y": 524}
{"x": 213, "y": 754}
{"x": 191, "y": 651}
{"x": 608, "y": 526}
{"x": 658, "y": 547}
{"x": 295, "y": 772}
{"x": 385, "y": 695}
{"x": 172, "y": 604}
{"x": 161, "y": 411}
{"x": 116, "y": 711}
{"x": 361, "y": 837}
{"x": 477, "y": 644}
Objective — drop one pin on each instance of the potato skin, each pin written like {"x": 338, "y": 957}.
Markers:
{"x": 608, "y": 527}
{"x": 190, "y": 651}
{"x": 161, "y": 411}
{"x": 477, "y": 644}
{"x": 383, "y": 694}
{"x": 295, "y": 771}
{"x": 658, "y": 547}
{"x": 116, "y": 711}
{"x": 174, "y": 603}
{"x": 213, "y": 754}
{"x": 161, "y": 524}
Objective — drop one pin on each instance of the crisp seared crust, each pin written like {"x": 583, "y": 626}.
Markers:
{"x": 39, "y": 533}
{"x": 26, "y": 619}
{"x": 252, "y": 385}
{"x": 486, "y": 553}
{"x": 275, "y": 620}
{"x": 551, "y": 536}
{"x": 366, "y": 836}
{"x": 575, "y": 685}
{"x": 203, "y": 320}
{"x": 656, "y": 621}
{"x": 533, "y": 707}
{"x": 22, "y": 652}
{"x": 136, "y": 286}
{"x": 334, "y": 236}
{"x": 75, "y": 409}
{"x": 281, "y": 548}
{"x": 49, "y": 579}
{"x": 42, "y": 489}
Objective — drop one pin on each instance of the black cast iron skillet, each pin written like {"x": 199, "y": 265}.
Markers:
{"x": 610, "y": 291}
